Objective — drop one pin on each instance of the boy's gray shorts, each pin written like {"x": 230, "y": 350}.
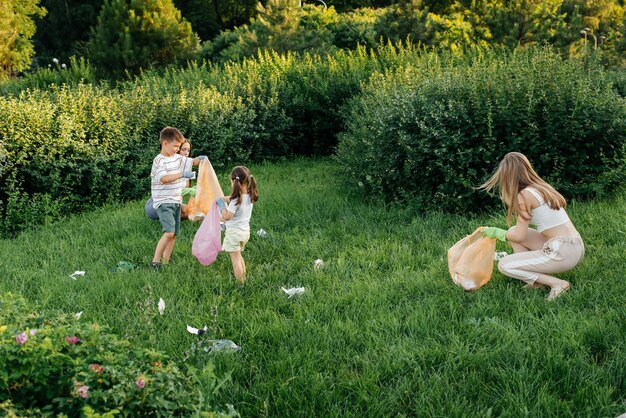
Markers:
{"x": 169, "y": 216}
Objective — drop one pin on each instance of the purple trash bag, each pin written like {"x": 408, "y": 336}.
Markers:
{"x": 206, "y": 243}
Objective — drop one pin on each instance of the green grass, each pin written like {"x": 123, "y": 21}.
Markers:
{"x": 380, "y": 330}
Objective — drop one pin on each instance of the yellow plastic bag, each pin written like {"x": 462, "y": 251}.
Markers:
{"x": 470, "y": 261}
{"x": 207, "y": 190}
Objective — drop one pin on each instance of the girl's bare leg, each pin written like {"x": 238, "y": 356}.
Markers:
{"x": 239, "y": 266}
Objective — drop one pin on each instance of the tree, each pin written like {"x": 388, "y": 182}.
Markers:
{"x": 523, "y": 22}
{"x": 16, "y": 31}
{"x": 208, "y": 17}
{"x": 64, "y": 31}
{"x": 138, "y": 34}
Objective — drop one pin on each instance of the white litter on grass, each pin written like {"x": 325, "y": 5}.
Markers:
{"x": 293, "y": 291}
{"x": 196, "y": 331}
{"x": 78, "y": 314}
{"x": 318, "y": 264}
{"x": 161, "y": 306}
{"x": 262, "y": 233}
{"x": 76, "y": 274}
{"x": 224, "y": 345}
{"x": 500, "y": 255}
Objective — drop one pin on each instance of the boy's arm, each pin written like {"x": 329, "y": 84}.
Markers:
{"x": 196, "y": 161}
{"x": 176, "y": 176}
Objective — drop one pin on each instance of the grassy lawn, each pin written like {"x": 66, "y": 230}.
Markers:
{"x": 380, "y": 330}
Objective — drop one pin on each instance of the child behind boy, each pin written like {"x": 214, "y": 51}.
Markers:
{"x": 168, "y": 168}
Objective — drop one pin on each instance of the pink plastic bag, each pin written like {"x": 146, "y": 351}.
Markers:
{"x": 206, "y": 243}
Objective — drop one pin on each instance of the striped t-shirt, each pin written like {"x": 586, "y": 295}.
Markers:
{"x": 163, "y": 166}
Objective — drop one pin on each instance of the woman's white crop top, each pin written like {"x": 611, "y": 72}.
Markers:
{"x": 543, "y": 216}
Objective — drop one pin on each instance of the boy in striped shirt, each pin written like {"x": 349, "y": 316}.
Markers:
{"x": 169, "y": 174}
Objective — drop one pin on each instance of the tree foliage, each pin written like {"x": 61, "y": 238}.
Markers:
{"x": 64, "y": 31}
{"x": 136, "y": 34}
{"x": 209, "y": 17}
{"x": 455, "y": 26}
{"x": 17, "y": 28}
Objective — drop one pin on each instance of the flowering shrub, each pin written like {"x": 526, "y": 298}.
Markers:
{"x": 57, "y": 364}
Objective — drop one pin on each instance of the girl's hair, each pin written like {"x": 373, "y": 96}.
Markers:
{"x": 513, "y": 175}
{"x": 241, "y": 175}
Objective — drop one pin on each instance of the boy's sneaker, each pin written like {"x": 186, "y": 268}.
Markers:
{"x": 156, "y": 266}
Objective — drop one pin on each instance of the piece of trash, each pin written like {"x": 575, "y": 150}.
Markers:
{"x": 318, "y": 264}
{"x": 78, "y": 314}
{"x": 122, "y": 266}
{"x": 76, "y": 274}
{"x": 499, "y": 255}
{"x": 223, "y": 345}
{"x": 293, "y": 291}
{"x": 161, "y": 306}
{"x": 262, "y": 233}
{"x": 196, "y": 331}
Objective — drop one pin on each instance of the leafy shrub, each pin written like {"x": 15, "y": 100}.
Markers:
{"x": 619, "y": 81}
{"x": 78, "y": 71}
{"x": 24, "y": 211}
{"x": 431, "y": 132}
{"x": 57, "y": 364}
{"x": 86, "y": 146}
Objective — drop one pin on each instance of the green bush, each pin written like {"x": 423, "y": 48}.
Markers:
{"x": 296, "y": 98}
{"x": 618, "y": 77}
{"x": 58, "y": 365}
{"x": 71, "y": 149}
{"x": 86, "y": 145}
{"x": 431, "y": 132}
{"x": 78, "y": 71}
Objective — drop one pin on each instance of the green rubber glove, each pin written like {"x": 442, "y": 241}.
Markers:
{"x": 493, "y": 232}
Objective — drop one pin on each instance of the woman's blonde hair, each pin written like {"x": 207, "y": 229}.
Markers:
{"x": 513, "y": 175}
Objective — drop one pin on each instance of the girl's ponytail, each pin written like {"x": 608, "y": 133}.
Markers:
{"x": 252, "y": 190}
{"x": 236, "y": 192}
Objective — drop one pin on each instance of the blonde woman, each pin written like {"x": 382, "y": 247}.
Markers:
{"x": 554, "y": 246}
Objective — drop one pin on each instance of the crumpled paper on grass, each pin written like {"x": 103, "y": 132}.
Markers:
{"x": 76, "y": 274}
{"x": 223, "y": 345}
{"x": 293, "y": 291}
{"x": 197, "y": 331}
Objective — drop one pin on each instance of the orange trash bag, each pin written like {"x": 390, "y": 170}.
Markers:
{"x": 470, "y": 261}
{"x": 207, "y": 190}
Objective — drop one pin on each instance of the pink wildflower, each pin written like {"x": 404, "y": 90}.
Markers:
{"x": 33, "y": 331}
{"x": 83, "y": 391}
{"x": 72, "y": 339}
{"x": 21, "y": 338}
{"x": 96, "y": 368}
{"x": 140, "y": 383}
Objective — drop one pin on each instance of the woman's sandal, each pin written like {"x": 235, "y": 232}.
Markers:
{"x": 557, "y": 291}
